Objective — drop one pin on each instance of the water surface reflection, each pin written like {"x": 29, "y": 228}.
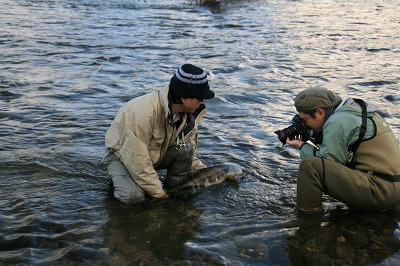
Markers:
{"x": 66, "y": 68}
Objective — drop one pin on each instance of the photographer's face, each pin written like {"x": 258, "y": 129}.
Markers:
{"x": 315, "y": 123}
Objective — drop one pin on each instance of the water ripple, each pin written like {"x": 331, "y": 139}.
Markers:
{"x": 66, "y": 68}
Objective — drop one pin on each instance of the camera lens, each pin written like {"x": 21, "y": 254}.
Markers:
{"x": 285, "y": 133}
{"x": 281, "y": 136}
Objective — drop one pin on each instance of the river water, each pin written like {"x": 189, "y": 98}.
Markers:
{"x": 66, "y": 66}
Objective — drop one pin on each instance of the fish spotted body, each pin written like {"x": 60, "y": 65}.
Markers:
{"x": 208, "y": 177}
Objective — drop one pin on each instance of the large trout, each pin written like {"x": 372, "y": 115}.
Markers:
{"x": 207, "y": 177}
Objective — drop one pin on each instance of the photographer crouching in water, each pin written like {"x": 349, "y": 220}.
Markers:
{"x": 355, "y": 159}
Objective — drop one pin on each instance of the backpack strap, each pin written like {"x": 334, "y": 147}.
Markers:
{"x": 363, "y": 129}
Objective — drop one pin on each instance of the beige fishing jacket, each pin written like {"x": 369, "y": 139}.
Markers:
{"x": 140, "y": 136}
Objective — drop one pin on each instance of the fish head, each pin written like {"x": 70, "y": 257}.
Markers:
{"x": 233, "y": 171}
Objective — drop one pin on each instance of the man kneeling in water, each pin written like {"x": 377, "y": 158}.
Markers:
{"x": 157, "y": 131}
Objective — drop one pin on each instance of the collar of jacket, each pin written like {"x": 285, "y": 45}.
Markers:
{"x": 163, "y": 95}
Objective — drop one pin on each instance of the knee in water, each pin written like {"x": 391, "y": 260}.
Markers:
{"x": 129, "y": 196}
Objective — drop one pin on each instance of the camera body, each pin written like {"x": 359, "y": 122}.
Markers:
{"x": 297, "y": 128}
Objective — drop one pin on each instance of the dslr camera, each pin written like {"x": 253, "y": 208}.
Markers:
{"x": 298, "y": 127}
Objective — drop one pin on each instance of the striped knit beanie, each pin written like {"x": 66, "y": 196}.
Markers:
{"x": 190, "y": 81}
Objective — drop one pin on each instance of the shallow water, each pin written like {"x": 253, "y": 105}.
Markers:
{"x": 67, "y": 66}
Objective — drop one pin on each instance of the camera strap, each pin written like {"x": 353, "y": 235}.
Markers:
{"x": 363, "y": 129}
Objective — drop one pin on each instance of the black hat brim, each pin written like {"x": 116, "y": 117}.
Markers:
{"x": 209, "y": 94}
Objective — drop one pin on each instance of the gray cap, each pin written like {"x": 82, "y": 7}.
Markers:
{"x": 313, "y": 98}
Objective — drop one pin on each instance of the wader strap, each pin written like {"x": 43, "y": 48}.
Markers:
{"x": 389, "y": 178}
{"x": 363, "y": 129}
{"x": 323, "y": 176}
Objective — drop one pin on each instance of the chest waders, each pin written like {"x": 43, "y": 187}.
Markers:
{"x": 352, "y": 164}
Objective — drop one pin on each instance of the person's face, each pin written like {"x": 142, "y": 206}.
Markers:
{"x": 316, "y": 123}
{"x": 189, "y": 105}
